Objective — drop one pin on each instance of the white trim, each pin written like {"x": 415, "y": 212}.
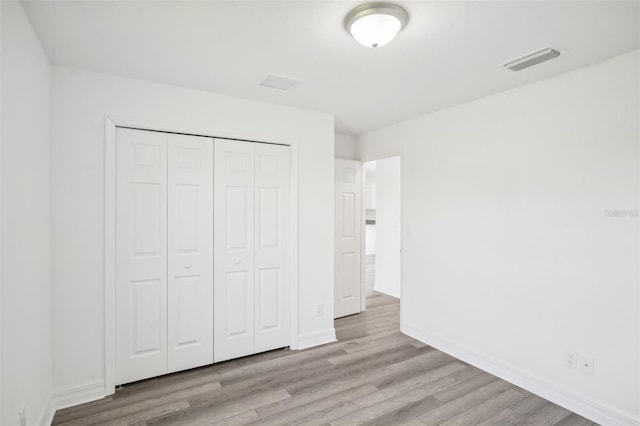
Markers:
{"x": 596, "y": 411}
{"x": 212, "y": 132}
{"x": 109, "y": 255}
{"x": 48, "y": 411}
{"x": 389, "y": 291}
{"x": 78, "y": 394}
{"x": 293, "y": 158}
{"x": 363, "y": 238}
{"x": 317, "y": 338}
{"x": 403, "y": 242}
{"x": 111, "y": 123}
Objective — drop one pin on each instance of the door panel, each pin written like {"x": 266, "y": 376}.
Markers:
{"x": 190, "y": 251}
{"x": 141, "y": 252}
{"x": 234, "y": 249}
{"x": 238, "y": 296}
{"x": 272, "y": 249}
{"x": 348, "y": 229}
{"x": 237, "y": 214}
{"x": 146, "y": 313}
{"x": 269, "y": 295}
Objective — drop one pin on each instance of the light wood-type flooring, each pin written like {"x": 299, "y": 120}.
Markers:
{"x": 373, "y": 375}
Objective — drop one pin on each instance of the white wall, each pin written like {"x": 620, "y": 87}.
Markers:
{"x": 509, "y": 257}
{"x": 370, "y": 148}
{"x": 25, "y": 229}
{"x": 345, "y": 147}
{"x": 81, "y": 99}
{"x": 388, "y": 226}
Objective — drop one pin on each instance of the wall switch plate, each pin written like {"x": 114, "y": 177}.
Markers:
{"x": 571, "y": 359}
{"x": 320, "y": 310}
{"x": 587, "y": 365}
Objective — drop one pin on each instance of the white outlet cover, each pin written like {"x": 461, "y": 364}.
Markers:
{"x": 587, "y": 365}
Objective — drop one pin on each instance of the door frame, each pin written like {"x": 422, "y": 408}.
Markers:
{"x": 110, "y": 125}
{"x": 363, "y": 278}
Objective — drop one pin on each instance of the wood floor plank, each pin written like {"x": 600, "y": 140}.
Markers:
{"x": 340, "y": 400}
{"x": 464, "y": 402}
{"x": 486, "y": 409}
{"x": 530, "y": 405}
{"x": 424, "y": 390}
{"x": 425, "y": 357}
{"x": 140, "y": 417}
{"x": 372, "y": 347}
{"x": 411, "y": 422}
{"x": 373, "y": 375}
{"x": 466, "y": 387}
{"x": 355, "y": 369}
{"x": 238, "y": 420}
{"x": 504, "y": 417}
{"x": 574, "y": 420}
{"x": 372, "y": 412}
{"x": 406, "y": 414}
{"x": 431, "y": 366}
{"x": 547, "y": 416}
{"x": 205, "y": 414}
{"x": 411, "y": 383}
{"x": 319, "y": 392}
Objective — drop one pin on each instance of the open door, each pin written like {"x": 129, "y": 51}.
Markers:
{"x": 348, "y": 230}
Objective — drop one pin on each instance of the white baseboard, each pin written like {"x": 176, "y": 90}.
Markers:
{"x": 596, "y": 411}
{"x": 78, "y": 394}
{"x": 70, "y": 396}
{"x": 316, "y": 338}
{"x": 388, "y": 291}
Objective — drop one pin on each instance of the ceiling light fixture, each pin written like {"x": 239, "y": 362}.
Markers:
{"x": 376, "y": 24}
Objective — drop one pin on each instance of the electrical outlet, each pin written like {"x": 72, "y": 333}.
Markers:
{"x": 22, "y": 415}
{"x": 587, "y": 365}
{"x": 320, "y": 310}
{"x": 571, "y": 359}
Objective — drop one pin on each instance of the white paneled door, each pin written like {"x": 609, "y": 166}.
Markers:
{"x": 348, "y": 230}
{"x": 271, "y": 246}
{"x": 251, "y": 225}
{"x": 233, "y": 248}
{"x": 141, "y": 255}
{"x": 190, "y": 242}
{"x": 164, "y": 239}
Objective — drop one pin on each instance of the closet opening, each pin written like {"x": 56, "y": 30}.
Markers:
{"x": 177, "y": 298}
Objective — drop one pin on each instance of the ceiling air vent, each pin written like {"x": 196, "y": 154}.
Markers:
{"x": 532, "y": 59}
{"x": 280, "y": 82}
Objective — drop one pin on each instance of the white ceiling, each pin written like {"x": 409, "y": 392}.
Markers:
{"x": 448, "y": 54}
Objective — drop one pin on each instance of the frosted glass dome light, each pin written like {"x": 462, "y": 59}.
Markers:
{"x": 376, "y": 24}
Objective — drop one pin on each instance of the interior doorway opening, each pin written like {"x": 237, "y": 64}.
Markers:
{"x": 382, "y": 235}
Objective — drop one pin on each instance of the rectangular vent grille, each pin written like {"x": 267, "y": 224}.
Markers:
{"x": 280, "y": 82}
{"x": 532, "y": 59}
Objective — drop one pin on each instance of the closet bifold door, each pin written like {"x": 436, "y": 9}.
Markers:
{"x": 141, "y": 255}
{"x": 164, "y": 253}
{"x": 190, "y": 252}
{"x": 252, "y": 245}
{"x": 233, "y": 249}
{"x": 272, "y": 246}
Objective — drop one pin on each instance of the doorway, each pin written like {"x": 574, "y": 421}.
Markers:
{"x": 382, "y": 235}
